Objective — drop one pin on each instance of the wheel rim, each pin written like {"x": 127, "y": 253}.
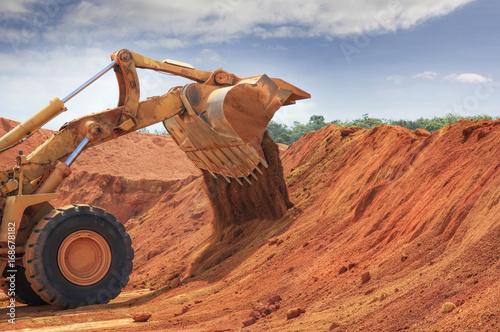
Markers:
{"x": 84, "y": 257}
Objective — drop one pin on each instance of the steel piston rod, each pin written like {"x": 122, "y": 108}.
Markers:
{"x": 77, "y": 151}
{"x": 90, "y": 81}
{"x": 25, "y": 129}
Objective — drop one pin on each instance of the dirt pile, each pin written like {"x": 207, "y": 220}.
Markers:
{"x": 389, "y": 226}
{"x": 138, "y": 156}
{"x": 420, "y": 214}
{"x": 138, "y": 177}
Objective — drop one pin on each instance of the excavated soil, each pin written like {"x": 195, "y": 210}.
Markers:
{"x": 243, "y": 212}
{"x": 387, "y": 226}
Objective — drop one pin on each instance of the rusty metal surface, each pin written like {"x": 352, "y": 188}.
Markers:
{"x": 221, "y": 129}
{"x": 219, "y": 121}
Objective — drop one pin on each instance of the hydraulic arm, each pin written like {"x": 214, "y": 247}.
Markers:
{"x": 218, "y": 121}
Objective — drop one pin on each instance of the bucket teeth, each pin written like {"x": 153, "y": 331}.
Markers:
{"x": 226, "y": 178}
{"x": 263, "y": 162}
{"x": 221, "y": 127}
{"x": 239, "y": 181}
{"x": 248, "y": 154}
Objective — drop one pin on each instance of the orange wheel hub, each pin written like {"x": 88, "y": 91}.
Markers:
{"x": 84, "y": 257}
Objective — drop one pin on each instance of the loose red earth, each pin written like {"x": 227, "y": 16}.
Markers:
{"x": 387, "y": 226}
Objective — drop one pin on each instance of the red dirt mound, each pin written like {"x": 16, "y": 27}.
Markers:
{"x": 420, "y": 214}
{"x": 388, "y": 226}
{"x": 138, "y": 156}
{"x": 138, "y": 177}
{"x": 128, "y": 175}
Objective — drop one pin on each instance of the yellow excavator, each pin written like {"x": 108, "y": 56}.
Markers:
{"x": 80, "y": 254}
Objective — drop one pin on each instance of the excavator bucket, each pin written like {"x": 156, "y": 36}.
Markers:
{"x": 222, "y": 128}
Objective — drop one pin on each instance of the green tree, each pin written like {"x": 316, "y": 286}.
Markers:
{"x": 280, "y": 133}
{"x": 276, "y": 129}
{"x": 316, "y": 122}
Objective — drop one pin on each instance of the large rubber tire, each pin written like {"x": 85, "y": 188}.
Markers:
{"x": 78, "y": 255}
{"x": 24, "y": 293}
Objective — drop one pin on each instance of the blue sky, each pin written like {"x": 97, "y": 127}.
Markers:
{"x": 399, "y": 59}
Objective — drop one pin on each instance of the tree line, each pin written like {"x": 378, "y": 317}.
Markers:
{"x": 281, "y": 133}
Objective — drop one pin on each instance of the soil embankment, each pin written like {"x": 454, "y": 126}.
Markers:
{"x": 387, "y": 226}
{"x": 419, "y": 213}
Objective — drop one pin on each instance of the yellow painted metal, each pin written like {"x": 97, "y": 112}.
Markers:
{"x": 60, "y": 172}
{"x": 35, "y": 122}
{"x": 8, "y": 187}
{"x": 14, "y": 209}
{"x": 170, "y": 67}
{"x": 84, "y": 257}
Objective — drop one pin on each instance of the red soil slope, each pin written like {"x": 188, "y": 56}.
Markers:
{"x": 420, "y": 214}
{"x": 388, "y": 225}
{"x": 8, "y": 158}
{"x": 136, "y": 177}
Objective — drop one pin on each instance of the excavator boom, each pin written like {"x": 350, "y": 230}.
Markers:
{"x": 218, "y": 121}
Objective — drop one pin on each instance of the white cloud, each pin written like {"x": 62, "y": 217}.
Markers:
{"x": 469, "y": 78}
{"x": 427, "y": 75}
{"x": 300, "y": 112}
{"x": 175, "y": 24}
{"x": 209, "y": 54}
{"x": 14, "y": 7}
{"x": 397, "y": 79}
